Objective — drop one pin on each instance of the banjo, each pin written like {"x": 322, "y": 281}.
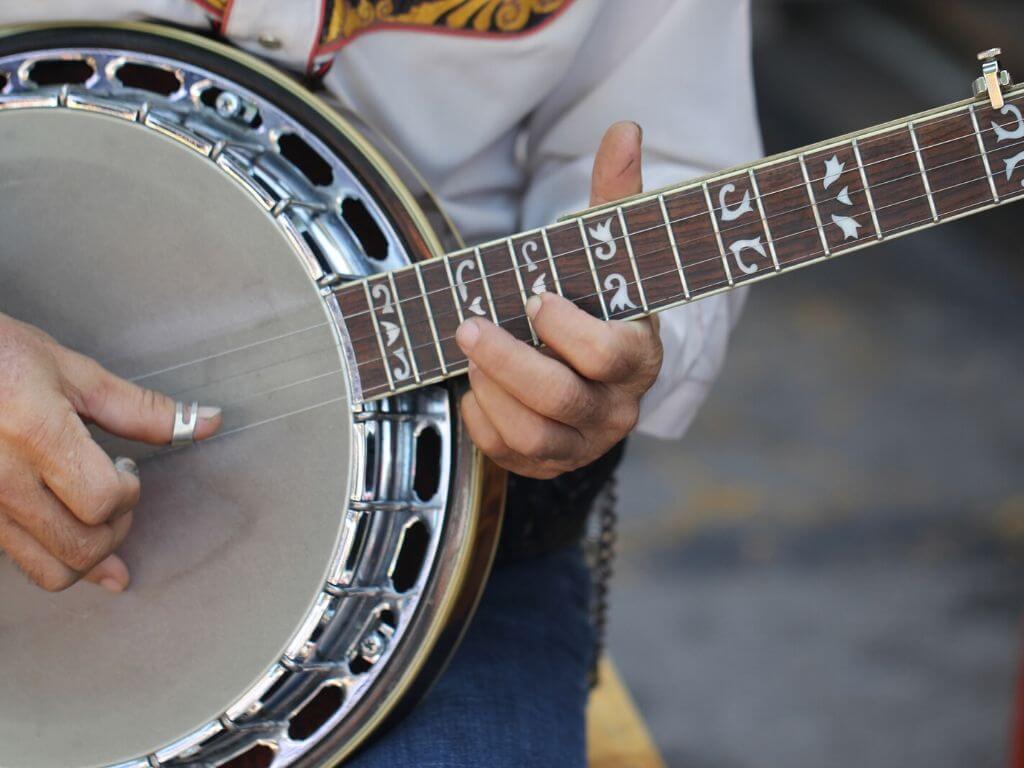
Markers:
{"x": 203, "y": 225}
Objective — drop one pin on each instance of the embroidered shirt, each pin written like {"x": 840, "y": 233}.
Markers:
{"x": 500, "y": 104}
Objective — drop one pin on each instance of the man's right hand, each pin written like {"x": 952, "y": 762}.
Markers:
{"x": 64, "y": 505}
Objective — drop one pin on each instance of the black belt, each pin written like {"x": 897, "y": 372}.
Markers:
{"x": 544, "y": 515}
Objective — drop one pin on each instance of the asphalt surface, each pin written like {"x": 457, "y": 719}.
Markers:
{"x": 829, "y": 568}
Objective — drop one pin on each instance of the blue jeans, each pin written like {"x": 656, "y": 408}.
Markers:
{"x": 515, "y": 692}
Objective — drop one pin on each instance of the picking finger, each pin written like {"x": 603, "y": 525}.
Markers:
{"x": 126, "y": 409}
{"x": 79, "y": 473}
{"x": 42, "y": 568}
{"x": 49, "y": 522}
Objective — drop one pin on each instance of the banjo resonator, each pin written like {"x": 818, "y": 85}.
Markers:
{"x": 224, "y": 236}
{"x": 299, "y": 575}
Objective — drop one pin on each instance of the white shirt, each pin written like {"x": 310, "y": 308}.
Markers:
{"x": 503, "y": 121}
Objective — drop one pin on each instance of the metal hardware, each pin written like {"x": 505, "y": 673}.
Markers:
{"x": 184, "y": 424}
{"x": 231, "y": 106}
{"x": 993, "y": 79}
{"x": 384, "y": 436}
{"x": 269, "y": 42}
{"x": 372, "y": 647}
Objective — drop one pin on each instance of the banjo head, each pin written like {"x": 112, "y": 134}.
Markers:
{"x": 291, "y": 576}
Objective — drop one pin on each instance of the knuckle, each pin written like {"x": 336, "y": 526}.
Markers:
{"x": 531, "y": 443}
{"x": 569, "y": 399}
{"x": 53, "y": 578}
{"x": 606, "y": 357}
{"x": 493, "y": 446}
{"x": 86, "y": 552}
{"x": 101, "y": 498}
{"x": 625, "y": 417}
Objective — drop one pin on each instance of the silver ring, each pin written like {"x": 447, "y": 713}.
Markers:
{"x": 184, "y": 427}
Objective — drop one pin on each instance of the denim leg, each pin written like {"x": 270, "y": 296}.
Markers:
{"x": 515, "y": 692}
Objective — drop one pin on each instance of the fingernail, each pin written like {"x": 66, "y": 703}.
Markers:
{"x": 467, "y": 335}
{"x": 124, "y": 464}
{"x": 533, "y": 305}
{"x": 112, "y": 585}
{"x": 208, "y": 412}
{"x": 639, "y": 129}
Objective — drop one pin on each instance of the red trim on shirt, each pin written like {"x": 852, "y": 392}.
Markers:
{"x": 230, "y": 6}
{"x": 210, "y": 8}
{"x": 313, "y": 52}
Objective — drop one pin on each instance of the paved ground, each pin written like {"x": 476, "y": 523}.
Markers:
{"x": 829, "y": 568}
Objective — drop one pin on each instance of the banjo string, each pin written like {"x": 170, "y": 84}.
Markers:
{"x": 724, "y": 231}
{"x": 291, "y": 334}
{"x": 340, "y": 370}
{"x": 245, "y": 427}
{"x": 721, "y": 283}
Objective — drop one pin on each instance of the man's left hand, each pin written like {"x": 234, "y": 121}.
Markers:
{"x": 541, "y": 414}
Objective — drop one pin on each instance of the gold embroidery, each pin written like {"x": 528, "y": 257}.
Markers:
{"x": 347, "y": 18}
{"x": 215, "y": 7}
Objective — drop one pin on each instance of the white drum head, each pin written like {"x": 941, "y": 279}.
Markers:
{"x": 129, "y": 247}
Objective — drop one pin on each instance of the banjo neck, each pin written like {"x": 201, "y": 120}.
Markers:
{"x": 661, "y": 249}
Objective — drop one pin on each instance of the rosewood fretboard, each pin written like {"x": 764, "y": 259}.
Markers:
{"x": 661, "y": 249}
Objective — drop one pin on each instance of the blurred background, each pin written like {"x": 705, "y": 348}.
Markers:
{"x": 829, "y": 568}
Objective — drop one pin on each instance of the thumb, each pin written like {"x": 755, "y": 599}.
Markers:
{"x": 126, "y": 409}
{"x": 617, "y": 164}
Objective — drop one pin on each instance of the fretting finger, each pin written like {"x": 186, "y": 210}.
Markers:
{"x": 610, "y": 352}
{"x": 486, "y": 438}
{"x": 518, "y": 368}
{"x": 528, "y": 433}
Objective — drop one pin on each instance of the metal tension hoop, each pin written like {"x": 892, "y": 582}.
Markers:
{"x": 992, "y": 79}
{"x": 184, "y": 424}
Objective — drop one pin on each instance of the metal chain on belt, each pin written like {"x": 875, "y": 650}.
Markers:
{"x": 602, "y": 562}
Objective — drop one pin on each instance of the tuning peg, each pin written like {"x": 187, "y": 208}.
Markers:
{"x": 992, "y": 79}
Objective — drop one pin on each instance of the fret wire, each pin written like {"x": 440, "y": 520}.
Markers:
{"x": 718, "y": 233}
{"x": 868, "y": 136}
{"x": 430, "y": 319}
{"x": 380, "y": 340}
{"x": 814, "y": 205}
{"x": 800, "y": 208}
{"x": 867, "y": 189}
{"x": 487, "y": 287}
{"x": 522, "y": 287}
{"x": 957, "y": 112}
{"x": 675, "y": 247}
{"x": 451, "y": 284}
{"x": 787, "y": 189}
{"x": 632, "y": 260}
{"x": 764, "y": 219}
{"x": 405, "y": 328}
{"x": 984, "y": 155}
{"x": 924, "y": 172}
{"x": 551, "y": 261}
{"x": 593, "y": 269}
{"x": 802, "y": 261}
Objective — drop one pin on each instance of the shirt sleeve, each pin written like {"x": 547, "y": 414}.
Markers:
{"x": 189, "y": 12}
{"x": 682, "y": 70}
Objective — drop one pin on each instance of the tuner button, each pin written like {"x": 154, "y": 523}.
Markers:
{"x": 991, "y": 53}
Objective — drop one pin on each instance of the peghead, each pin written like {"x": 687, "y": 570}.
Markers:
{"x": 993, "y": 79}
